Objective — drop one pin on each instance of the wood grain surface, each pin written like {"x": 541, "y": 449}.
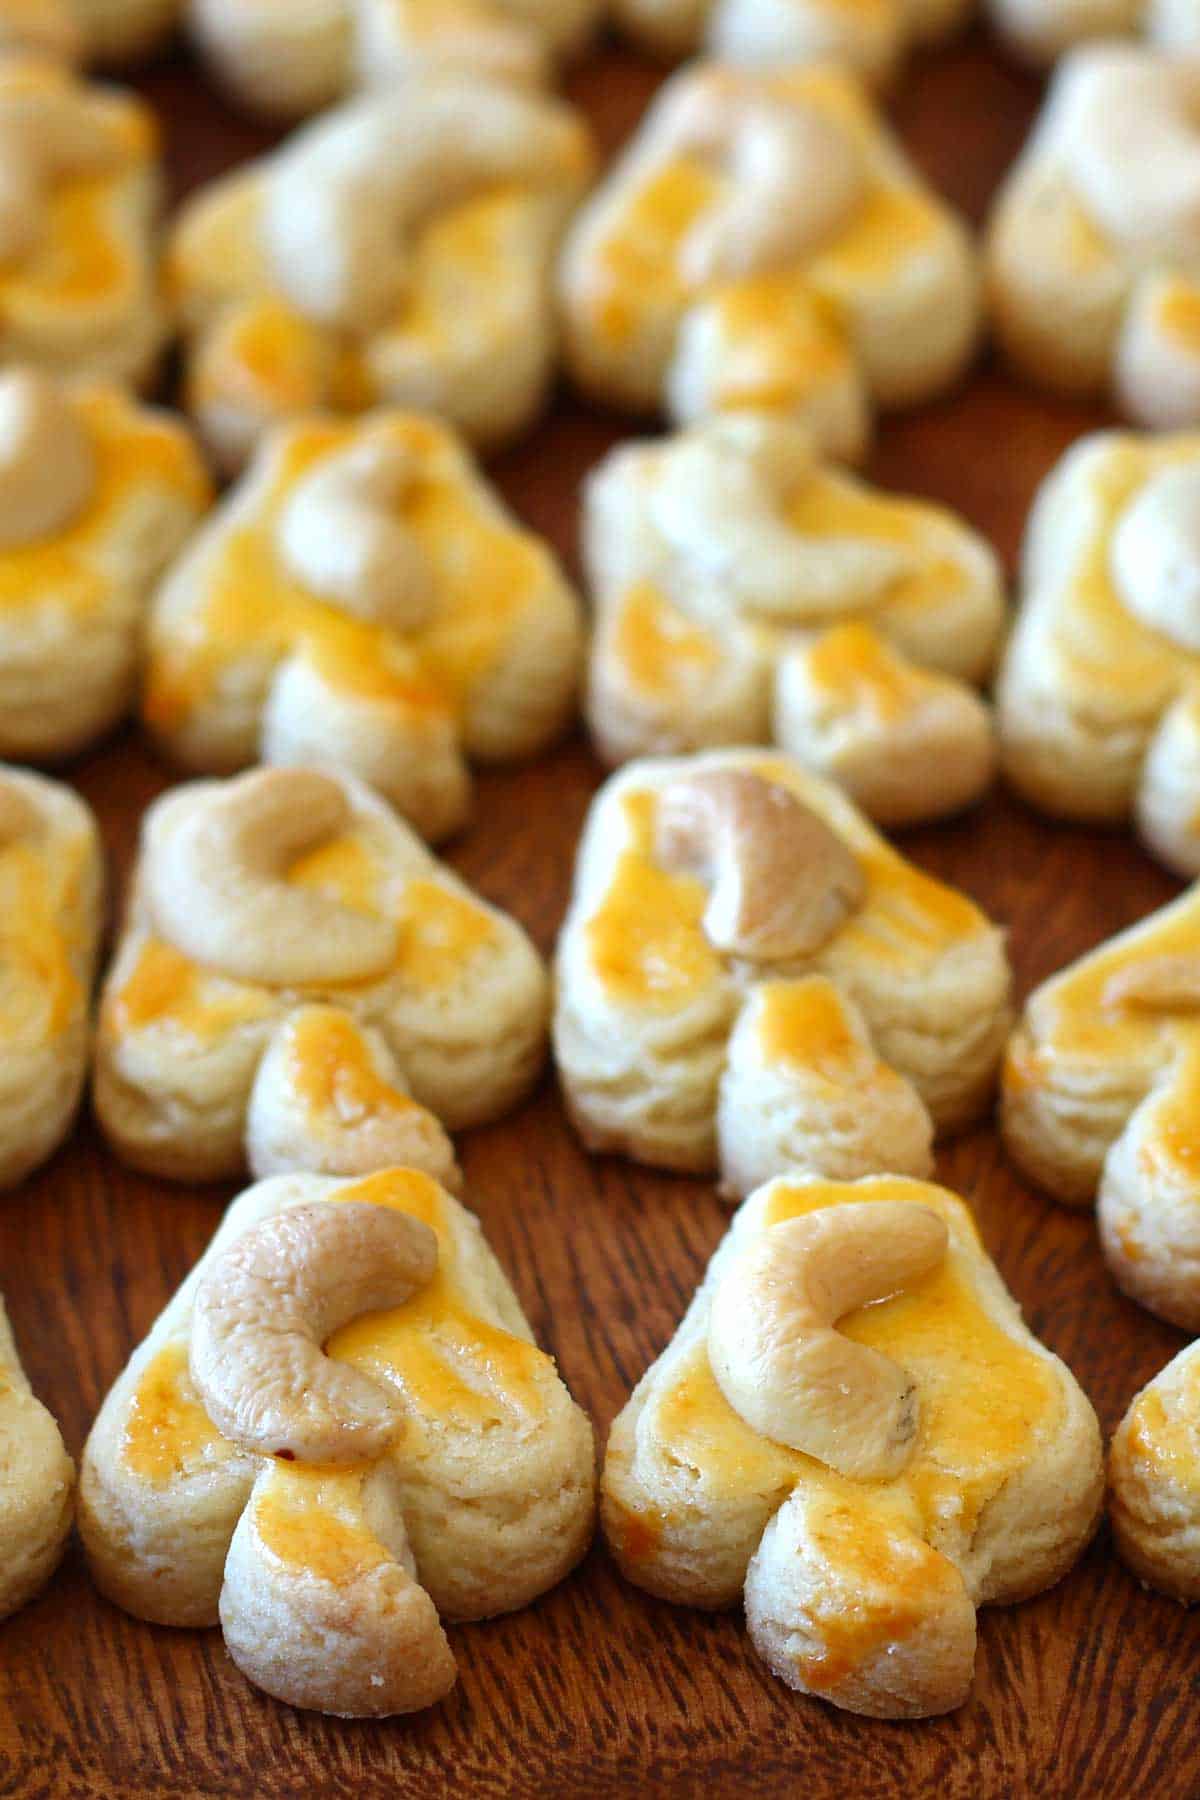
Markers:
{"x": 600, "y": 1691}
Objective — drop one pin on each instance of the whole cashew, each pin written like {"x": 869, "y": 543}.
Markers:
{"x": 343, "y": 205}
{"x": 339, "y": 536}
{"x": 216, "y": 890}
{"x": 777, "y": 1357}
{"x": 794, "y": 179}
{"x": 45, "y": 135}
{"x": 720, "y": 502}
{"x": 782, "y": 882}
{"x": 47, "y": 463}
{"x": 1131, "y": 138}
{"x": 1160, "y": 984}
{"x": 271, "y": 1301}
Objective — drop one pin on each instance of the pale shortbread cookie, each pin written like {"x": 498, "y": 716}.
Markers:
{"x": 430, "y": 1462}
{"x": 872, "y": 37}
{"x": 290, "y": 60}
{"x": 1099, "y": 694}
{"x": 37, "y": 1483}
{"x": 743, "y": 591}
{"x": 79, "y": 199}
{"x": 364, "y": 600}
{"x": 1094, "y": 243}
{"x": 863, "y": 1488}
{"x": 763, "y": 244}
{"x": 1154, "y": 1480}
{"x": 105, "y": 31}
{"x": 751, "y": 979}
{"x": 1101, "y": 1089}
{"x": 97, "y": 495}
{"x": 51, "y": 915}
{"x": 298, "y": 980}
{"x": 1043, "y": 29}
{"x": 397, "y": 250}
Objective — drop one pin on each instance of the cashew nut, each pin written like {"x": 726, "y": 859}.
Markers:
{"x": 46, "y": 134}
{"x": 271, "y": 1301}
{"x": 1160, "y": 984}
{"x": 720, "y": 503}
{"x": 777, "y": 1357}
{"x": 794, "y": 177}
{"x": 339, "y": 536}
{"x": 1156, "y": 554}
{"x": 344, "y": 203}
{"x": 47, "y": 463}
{"x": 216, "y": 889}
{"x": 782, "y": 882}
{"x": 1130, "y": 137}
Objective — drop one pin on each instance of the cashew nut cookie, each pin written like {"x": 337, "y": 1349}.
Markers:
{"x": 871, "y": 37}
{"x": 79, "y": 196}
{"x": 1043, "y": 29}
{"x": 37, "y": 1484}
{"x": 1094, "y": 244}
{"x": 750, "y": 979}
{"x": 339, "y": 1433}
{"x": 397, "y": 250}
{"x": 1099, "y": 694}
{"x": 97, "y": 495}
{"x": 764, "y": 245}
{"x": 854, "y": 1432}
{"x": 1154, "y": 1480}
{"x": 300, "y": 985}
{"x": 288, "y": 61}
{"x": 744, "y": 591}
{"x": 363, "y": 600}
{"x": 51, "y": 915}
{"x": 1101, "y": 1085}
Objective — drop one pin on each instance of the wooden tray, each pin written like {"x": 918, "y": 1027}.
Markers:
{"x": 600, "y": 1691}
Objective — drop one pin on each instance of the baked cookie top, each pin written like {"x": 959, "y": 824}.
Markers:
{"x": 708, "y": 892}
{"x": 37, "y": 1483}
{"x": 292, "y": 964}
{"x": 79, "y": 288}
{"x": 871, "y": 37}
{"x": 745, "y": 590}
{"x": 854, "y": 1425}
{"x": 395, "y": 250}
{"x": 1094, "y": 242}
{"x": 287, "y": 62}
{"x": 339, "y": 1429}
{"x": 363, "y": 599}
{"x": 764, "y": 244}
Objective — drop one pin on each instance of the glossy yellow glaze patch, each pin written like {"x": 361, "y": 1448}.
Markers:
{"x": 1164, "y": 1429}
{"x": 344, "y": 869}
{"x": 487, "y": 574}
{"x": 40, "y": 993}
{"x": 637, "y": 269}
{"x": 134, "y": 454}
{"x": 1175, "y": 1139}
{"x": 440, "y": 932}
{"x": 450, "y": 1364}
{"x": 645, "y": 939}
{"x": 780, "y": 344}
{"x": 332, "y": 1072}
{"x": 164, "y": 988}
{"x": 312, "y": 1519}
{"x": 167, "y": 1432}
{"x": 858, "y": 671}
{"x": 805, "y": 1023}
{"x": 1178, "y": 315}
{"x": 270, "y": 355}
{"x": 659, "y": 647}
{"x": 893, "y": 225}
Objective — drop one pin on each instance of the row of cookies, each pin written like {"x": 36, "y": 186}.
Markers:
{"x": 361, "y": 598}
{"x": 286, "y": 62}
{"x": 762, "y": 244}
{"x": 748, "y": 973}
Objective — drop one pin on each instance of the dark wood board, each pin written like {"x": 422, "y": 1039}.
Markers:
{"x": 600, "y": 1691}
